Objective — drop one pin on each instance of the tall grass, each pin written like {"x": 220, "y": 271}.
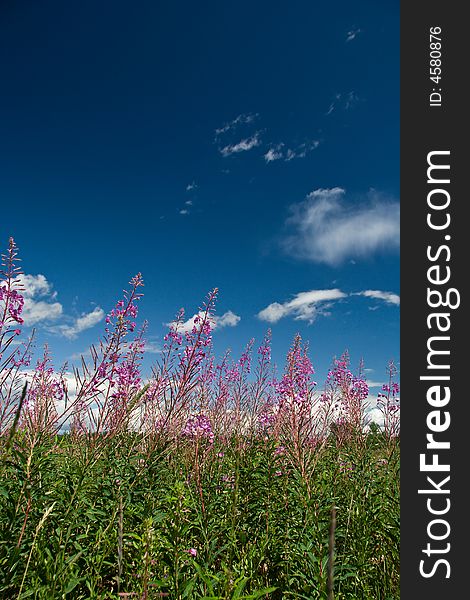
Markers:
{"x": 210, "y": 479}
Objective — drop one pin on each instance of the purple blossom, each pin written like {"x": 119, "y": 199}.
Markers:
{"x": 268, "y": 416}
{"x": 296, "y": 385}
{"x": 198, "y": 427}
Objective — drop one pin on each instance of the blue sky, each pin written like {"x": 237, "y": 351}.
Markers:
{"x": 249, "y": 146}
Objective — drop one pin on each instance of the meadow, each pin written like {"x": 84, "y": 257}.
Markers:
{"x": 212, "y": 478}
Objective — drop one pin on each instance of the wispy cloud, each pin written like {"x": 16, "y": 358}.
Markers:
{"x": 226, "y": 133}
{"x": 388, "y": 297}
{"x": 305, "y": 306}
{"x": 328, "y": 230}
{"x": 374, "y": 384}
{"x": 186, "y": 210}
{"x": 343, "y": 101}
{"x": 191, "y": 186}
{"x": 242, "y": 146}
{"x": 152, "y": 347}
{"x": 352, "y": 34}
{"x": 333, "y": 104}
{"x": 281, "y": 152}
{"x": 77, "y": 356}
{"x": 242, "y": 119}
{"x": 79, "y": 324}
{"x": 302, "y": 150}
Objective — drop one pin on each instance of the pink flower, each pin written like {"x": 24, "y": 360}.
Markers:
{"x": 198, "y": 427}
{"x": 192, "y": 552}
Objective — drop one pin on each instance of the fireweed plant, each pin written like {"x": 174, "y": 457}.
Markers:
{"x": 212, "y": 478}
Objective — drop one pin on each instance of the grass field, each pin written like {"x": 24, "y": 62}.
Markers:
{"x": 209, "y": 479}
{"x": 85, "y": 518}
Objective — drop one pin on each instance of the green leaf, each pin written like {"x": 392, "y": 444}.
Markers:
{"x": 242, "y": 581}
{"x": 259, "y": 593}
{"x": 72, "y": 584}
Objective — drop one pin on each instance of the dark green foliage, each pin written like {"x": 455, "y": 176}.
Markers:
{"x": 85, "y": 518}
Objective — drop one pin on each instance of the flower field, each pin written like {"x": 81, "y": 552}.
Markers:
{"x": 213, "y": 478}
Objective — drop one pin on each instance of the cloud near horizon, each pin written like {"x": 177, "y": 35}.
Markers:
{"x": 40, "y": 306}
{"x": 329, "y": 230}
{"x": 228, "y": 319}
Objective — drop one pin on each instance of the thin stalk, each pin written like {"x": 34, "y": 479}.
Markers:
{"x": 331, "y": 551}
{"x": 38, "y": 529}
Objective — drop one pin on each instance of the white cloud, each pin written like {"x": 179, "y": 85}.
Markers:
{"x": 352, "y": 34}
{"x": 329, "y": 230}
{"x": 374, "y": 384}
{"x": 305, "y": 306}
{"x": 39, "y": 306}
{"x": 274, "y": 153}
{"x": 242, "y": 146}
{"x": 34, "y": 285}
{"x": 191, "y": 186}
{"x": 186, "y": 210}
{"x": 228, "y": 319}
{"x": 388, "y": 297}
{"x": 34, "y": 310}
{"x": 82, "y": 323}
